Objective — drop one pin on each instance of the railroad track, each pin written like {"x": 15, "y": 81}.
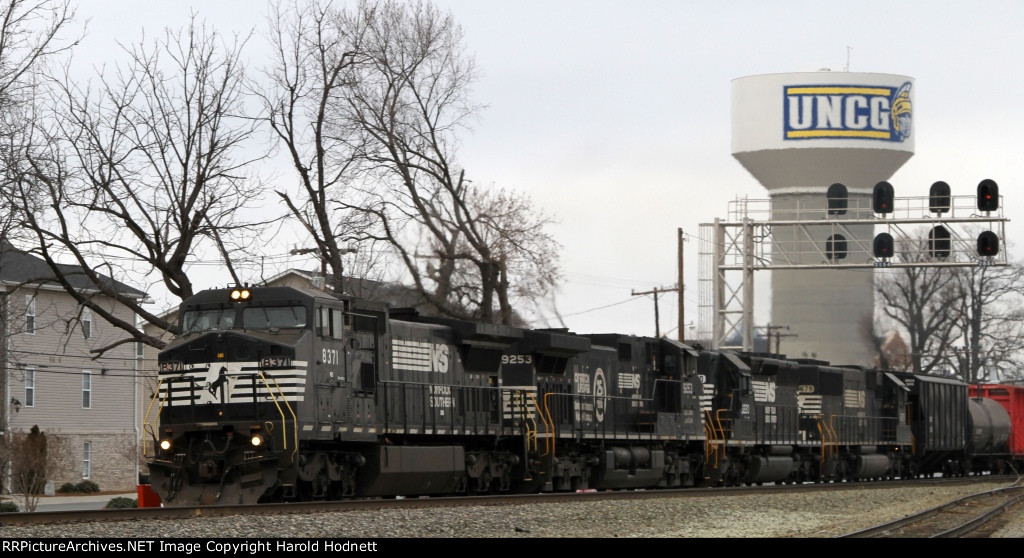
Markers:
{"x": 38, "y": 518}
{"x": 971, "y": 516}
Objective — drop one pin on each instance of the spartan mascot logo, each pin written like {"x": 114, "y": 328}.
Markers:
{"x": 832, "y": 111}
{"x": 902, "y": 112}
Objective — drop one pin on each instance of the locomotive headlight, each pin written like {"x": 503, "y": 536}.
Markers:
{"x": 256, "y": 440}
{"x": 240, "y": 294}
{"x": 165, "y": 444}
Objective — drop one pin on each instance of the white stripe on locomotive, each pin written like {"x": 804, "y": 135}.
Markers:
{"x": 513, "y": 400}
{"x": 289, "y": 384}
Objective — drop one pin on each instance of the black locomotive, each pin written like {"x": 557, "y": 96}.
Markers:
{"x": 280, "y": 393}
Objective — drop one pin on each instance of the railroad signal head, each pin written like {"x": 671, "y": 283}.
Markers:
{"x": 938, "y": 197}
{"x": 882, "y": 198}
{"x": 988, "y": 244}
{"x": 835, "y": 247}
{"x": 883, "y": 245}
{"x": 837, "y": 199}
{"x": 988, "y": 195}
{"x": 939, "y": 245}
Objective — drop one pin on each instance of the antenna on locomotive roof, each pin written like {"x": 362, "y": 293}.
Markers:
{"x": 848, "y": 49}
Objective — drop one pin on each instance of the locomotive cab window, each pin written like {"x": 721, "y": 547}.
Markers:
{"x": 274, "y": 317}
{"x": 330, "y": 322}
{"x": 207, "y": 319}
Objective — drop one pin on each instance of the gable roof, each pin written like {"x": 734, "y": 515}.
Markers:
{"x": 18, "y": 267}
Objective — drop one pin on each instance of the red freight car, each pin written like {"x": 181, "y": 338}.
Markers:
{"x": 999, "y": 415}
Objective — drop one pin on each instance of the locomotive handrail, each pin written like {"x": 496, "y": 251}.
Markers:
{"x": 549, "y": 442}
{"x": 913, "y": 437}
{"x": 710, "y": 442}
{"x": 146, "y": 426}
{"x": 717, "y": 428}
{"x": 829, "y": 439}
{"x": 284, "y": 424}
{"x": 517, "y": 404}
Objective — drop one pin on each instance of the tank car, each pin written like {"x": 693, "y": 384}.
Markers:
{"x": 997, "y": 412}
{"x": 280, "y": 393}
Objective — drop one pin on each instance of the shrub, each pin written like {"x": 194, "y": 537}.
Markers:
{"x": 8, "y": 507}
{"x": 121, "y": 503}
{"x": 87, "y": 486}
{"x": 84, "y": 487}
{"x": 68, "y": 487}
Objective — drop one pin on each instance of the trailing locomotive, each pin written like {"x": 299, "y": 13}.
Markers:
{"x": 281, "y": 393}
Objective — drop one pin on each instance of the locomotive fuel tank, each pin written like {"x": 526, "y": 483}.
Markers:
{"x": 770, "y": 468}
{"x": 871, "y": 465}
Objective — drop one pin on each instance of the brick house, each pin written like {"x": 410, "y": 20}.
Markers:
{"x": 50, "y": 379}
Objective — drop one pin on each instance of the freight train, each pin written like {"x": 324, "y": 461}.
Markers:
{"x": 287, "y": 394}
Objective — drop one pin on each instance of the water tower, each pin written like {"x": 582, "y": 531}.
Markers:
{"x": 798, "y": 134}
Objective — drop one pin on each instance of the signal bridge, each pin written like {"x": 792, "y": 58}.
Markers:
{"x": 938, "y": 230}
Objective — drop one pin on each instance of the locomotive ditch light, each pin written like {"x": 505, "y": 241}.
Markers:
{"x": 256, "y": 440}
{"x": 165, "y": 444}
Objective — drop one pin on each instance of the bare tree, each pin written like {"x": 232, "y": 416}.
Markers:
{"x": 368, "y": 102}
{"x": 34, "y": 460}
{"x": 145, "y": 174}
{"x": 409, "y": 98}
{"x": 511, "y": 230}
{"x": 315, "y": 44}
{"x": 966, "y": 318}
{"x": 990, "y": 322}
{"x": 917, "y": 298}
{"x": 31, "y": 35}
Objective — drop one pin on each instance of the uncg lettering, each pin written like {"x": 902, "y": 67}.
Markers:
{"x": 829, "y": 112}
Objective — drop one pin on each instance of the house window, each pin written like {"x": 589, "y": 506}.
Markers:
{"x": 140, "y": 349}
{"x": 86, "y": 460}
{"x": 86, "y": 319}
{"x": 86, "y": 389}
{"x": 30, "y": 387}
{"x": 30, "y": 314}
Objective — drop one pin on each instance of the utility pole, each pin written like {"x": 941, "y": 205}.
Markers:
{"x": 655, "y": 292}
{"x": 682, "y": 322}
{"x": 775, "y": 330}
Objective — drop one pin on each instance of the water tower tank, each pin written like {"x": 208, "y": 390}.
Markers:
{"x": 797, "y": 134}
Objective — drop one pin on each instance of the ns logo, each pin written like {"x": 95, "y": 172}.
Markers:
{"x": 847, "y": 111}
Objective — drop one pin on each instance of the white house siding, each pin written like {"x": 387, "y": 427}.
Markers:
{"x": 59, "y": 354}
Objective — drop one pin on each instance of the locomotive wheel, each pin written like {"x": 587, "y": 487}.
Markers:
{"x": 480, "y": 485}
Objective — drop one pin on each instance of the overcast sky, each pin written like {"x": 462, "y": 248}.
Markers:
{"x": 614, "y": 116}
